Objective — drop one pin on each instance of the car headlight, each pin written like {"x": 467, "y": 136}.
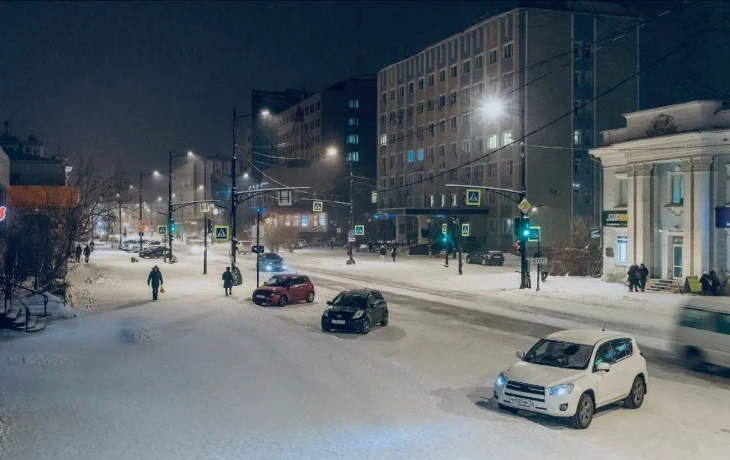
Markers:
{"x": 501, "y": 380}
{"x": 562, "y": 390}
{"x": 326, "y": 313}
{"x": 358, "y": 314}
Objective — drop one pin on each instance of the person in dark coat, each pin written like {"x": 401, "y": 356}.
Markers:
{"x": 643, "y": 275}
{"x": 91, "y": 245}
{"x": 715, "y": 283}
{"x": 78, "y": 253}
{"x": 228, "y": 281}
{"x": 393, "y": 252}
{"x": 87, "y": 252}
{"x": 370, "y": 246}
{"x": 155, "y": 280}
{"x": 706, "y": 283}
{"x": 382, "y": 253}
{"x": 633, "y": 275}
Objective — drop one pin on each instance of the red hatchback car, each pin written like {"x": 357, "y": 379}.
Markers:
{"x": 282, "y": 289}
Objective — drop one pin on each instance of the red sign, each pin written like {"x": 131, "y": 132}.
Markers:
{"x": 3, "y": 210}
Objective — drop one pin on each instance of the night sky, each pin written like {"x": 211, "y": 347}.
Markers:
{"x": 134, "y": 80}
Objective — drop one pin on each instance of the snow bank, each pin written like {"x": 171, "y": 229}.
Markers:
{"x": 80, "y": 299}
{"x": 56, "y": 307}
{"x": 102, "y": 275}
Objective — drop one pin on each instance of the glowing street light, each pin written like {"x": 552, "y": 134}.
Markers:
{"x": 331, "y": 151}
{"x": 492, "y": 108}
{"x": 265, "y": 113}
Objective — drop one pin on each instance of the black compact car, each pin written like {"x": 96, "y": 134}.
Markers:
{"x": 156, "y": 252}
{"x": 485, "y": 257}
{"x": 271, "y": 262}
{"x": 355, "y": 309}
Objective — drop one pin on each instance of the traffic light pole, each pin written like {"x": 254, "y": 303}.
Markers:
{"x": 205, "y": 244}
{"x": 141, "y": 176}
{"x": 523, "y": 194}
{"x": 169, "y": 204}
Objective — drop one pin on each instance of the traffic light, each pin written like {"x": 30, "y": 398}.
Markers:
{"x": 173, "y": 226}
{"x": 522, "y": 228}
{"x": 208, "y": 226}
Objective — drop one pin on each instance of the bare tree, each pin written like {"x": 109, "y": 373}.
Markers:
{"x": 277, "y": 235}
{"x": 580, "y": 257}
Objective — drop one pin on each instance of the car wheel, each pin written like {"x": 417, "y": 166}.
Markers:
{"x": 326, "y": 326}
{"x": 484, "y": 262}
{"x": 365, "y": 328}
{"x": 283, "y": 301}
{"x": 468, "y": 259}
{"x": 636, "y": 397}
{"x": 694, "y": 360}
{"x": 310, "y": 297}
{"x": 384, "y": 321}
{"x": 507, "y": 408}
{"x": 583, "y": 413}
{"x": 501, "y": 264}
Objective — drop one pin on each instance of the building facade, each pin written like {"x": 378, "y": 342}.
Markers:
{"x": 666, "y": 201}
{"x": 454, "y": 113}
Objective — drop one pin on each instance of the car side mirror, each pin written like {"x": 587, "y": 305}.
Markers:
{"x": 520, "y": 354}
{"x": 329, "y": 302}
{"x": 603, "y": 367}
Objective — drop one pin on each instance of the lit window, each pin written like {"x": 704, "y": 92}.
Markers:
{"x": 383, "y": 139}
{"x": 492, "y": 141}
{"x": 506, "y": 137}
{"x": 576, "y": 136}
{"x": 431, "y": 202}
{"x": 443, "y": 200}
{"x": 677, "y": 191}
{"x": 353, "y": 121}
{"x": 622, "y": 250}
{"x": 420, "y": 154}
{"x": 353, "y": 103}
{"x": 453, "y": 199}
{"x": 353, "y": 156}
{"x": 410, "y": 156}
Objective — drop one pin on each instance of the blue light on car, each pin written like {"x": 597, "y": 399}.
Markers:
{"x": 501, "y": 380}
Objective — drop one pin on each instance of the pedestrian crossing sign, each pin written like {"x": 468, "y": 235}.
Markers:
{"x": 162, "y": 229}
{"x": 473, "y": 197}
{"x": 220, "y": 232}
{"x": 317, "y": 206}
{"x": 359, "y": 230}
{"x": 465, "y": 229}
{"x": 534, "y": 234}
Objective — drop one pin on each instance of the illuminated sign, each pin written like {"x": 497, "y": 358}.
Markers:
{"x": 3, "y": 213}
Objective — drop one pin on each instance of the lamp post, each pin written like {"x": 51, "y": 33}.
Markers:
{"x": 170, "y": 157}
{"x": 332, "y": 151}
{"x": 142, "y": 175}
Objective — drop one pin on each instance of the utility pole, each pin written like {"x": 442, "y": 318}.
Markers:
{"x": 234, "y": 191}
{"x": 169, "y": 204}
{"x": 523, "y": 194}
{"x": 206, "y": 224}
{"x": 120, "y": 223}
{"x": 352, "y": 210}
{"x": 139, "y": 227}
{"x": 258, "y": 255}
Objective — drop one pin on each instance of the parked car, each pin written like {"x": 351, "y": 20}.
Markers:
{"x": 572, "y": 373}
{"x": 317, "y": 242}
{"x": 271, "y": 262}
{"x": 156, "y": 252}
{"x": 485, "y": 257}
{"x": 133, "y": 245}
{"x": 702, "y": 335}
{"x": 283, "y": 289}
{"x": 356, "y": 309}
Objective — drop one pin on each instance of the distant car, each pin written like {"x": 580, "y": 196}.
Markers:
{"x": 191, "y": 240}
{"x": 283, "y": 289}
{"x": 355, "y": 309}
{"x": 271, "y": 262}
{"x": 156, "y": 252}
{"x": 571, "y": 373}
{"x": 133, "y": 245}
{"x": 317, "y": 242}
{"x": 702, "y": 335}
{"x": 485, "y": 257}
{"x": 301, "y": 244}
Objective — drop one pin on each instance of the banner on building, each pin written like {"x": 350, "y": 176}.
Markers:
{"x": 615, "y": 219}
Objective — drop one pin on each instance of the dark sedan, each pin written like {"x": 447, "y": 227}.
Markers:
{"x": 271, "y": 262}
{"x": 155, "y": 252}
{"x": 356, "y": 309}
{"x": 485, "y": 257}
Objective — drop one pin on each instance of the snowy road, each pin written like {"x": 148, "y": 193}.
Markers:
{"x": 201, "y": 376}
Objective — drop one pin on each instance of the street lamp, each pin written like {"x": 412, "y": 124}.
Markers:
{"x": 142, "y": 175}
{"x": 492, "y": 108}
{"x": 170, "y": 195}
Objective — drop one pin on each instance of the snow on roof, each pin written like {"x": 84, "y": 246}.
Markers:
{"x": 584, "y": 336}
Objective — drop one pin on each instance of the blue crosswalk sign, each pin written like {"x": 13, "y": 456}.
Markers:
{"x": 534, "y": 234}
{"x": 473, "y": 197}
{"x": 221, "y": 232}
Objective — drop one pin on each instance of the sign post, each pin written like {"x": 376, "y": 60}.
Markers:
{"x": 351, "y": 236}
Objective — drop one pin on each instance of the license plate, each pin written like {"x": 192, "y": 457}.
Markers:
{"x": 523, "y": 402}
{"x": 338, "y": 321}
{"x": 260, "y": 296}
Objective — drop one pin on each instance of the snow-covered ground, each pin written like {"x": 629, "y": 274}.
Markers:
{"x": 201, "y": 376}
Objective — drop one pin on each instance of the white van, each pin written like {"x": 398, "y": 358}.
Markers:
{"x": 702, "y": 335}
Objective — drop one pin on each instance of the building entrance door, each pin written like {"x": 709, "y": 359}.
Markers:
{"x": 677, "y": 257}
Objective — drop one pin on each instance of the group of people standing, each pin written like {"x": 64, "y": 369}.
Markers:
{"x": 383, "y": 251}
{"x": 710, "y": 283}
{"x": 86, "y": 251}
{"x": 637, "y": 277}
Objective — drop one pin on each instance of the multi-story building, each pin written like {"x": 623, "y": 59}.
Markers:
{"x": 666, "y": 200}
{"x": 455, "y": 114}
{"x": 318, "y": 140}
{"x": 259, "y": 132}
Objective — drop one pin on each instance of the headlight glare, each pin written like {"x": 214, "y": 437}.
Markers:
{"x": 562, "y": 390}
{"x": 501, "y": 380}
{"x": 358, "y": 314}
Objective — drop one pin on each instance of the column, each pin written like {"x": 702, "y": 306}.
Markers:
{"x": 642, "y": 216}
{"x": 631, "y": 214}
{"x": 701, "y": 209}
{"x": 688, "y": 267}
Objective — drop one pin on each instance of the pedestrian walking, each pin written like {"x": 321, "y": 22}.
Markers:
{"x": 370, "y": 246}
{"x": 91, "y": 245}
{"x": 393, "y": 252}
{"x": 633, "y": 275}
{"x": 155, "y": 280}
{"x": 228, "y": 281}
{"x": 78, "y": 253}
{"x": 87, "y": 252}
{"x": 382, "y": 253}
{"x": 643, "y": 275}
{"x": 715, "y": 283}
{"x": 706, "y": 283}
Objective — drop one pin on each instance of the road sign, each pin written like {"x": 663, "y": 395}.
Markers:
{"x": 140, "y": 226}
{"x": 220, "y": 232}
{"x": 339, "y": 230}
{"x": 162, "y": 229}
{"x": 473, "y": 197}
{"x": 595, "y": 232}
{"x": 285, "y": 198}
{"x": 317, "y": 206}
{"x": 141, "y": 234}
{"x": 359, "y": 230}
{"x": 534, "y": 234}
{"x": 524, "y": 205}
{"x": 539, "y": 260}
{"x": 205, "y": 207}
{"x": 351, "y": 236}
{"x": 444, "y": 228}
{"x": 465, "y": 229}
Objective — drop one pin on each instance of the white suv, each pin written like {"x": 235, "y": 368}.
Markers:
{"x": 571, "y": 373}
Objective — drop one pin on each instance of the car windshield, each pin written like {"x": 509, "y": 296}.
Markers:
{"x": 271, "y": 257}
{"x": 347, "y": 299}
{"x": 559, "y": 354}
{"x": 277, "y": 282}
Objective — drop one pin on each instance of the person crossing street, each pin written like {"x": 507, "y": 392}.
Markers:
{"x": 155, "y": 280}
{"x": 87, "y": 252}
{"x": 228, "y": 281}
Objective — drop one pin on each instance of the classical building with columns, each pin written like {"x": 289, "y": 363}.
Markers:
{"x": 666, "y": 201}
